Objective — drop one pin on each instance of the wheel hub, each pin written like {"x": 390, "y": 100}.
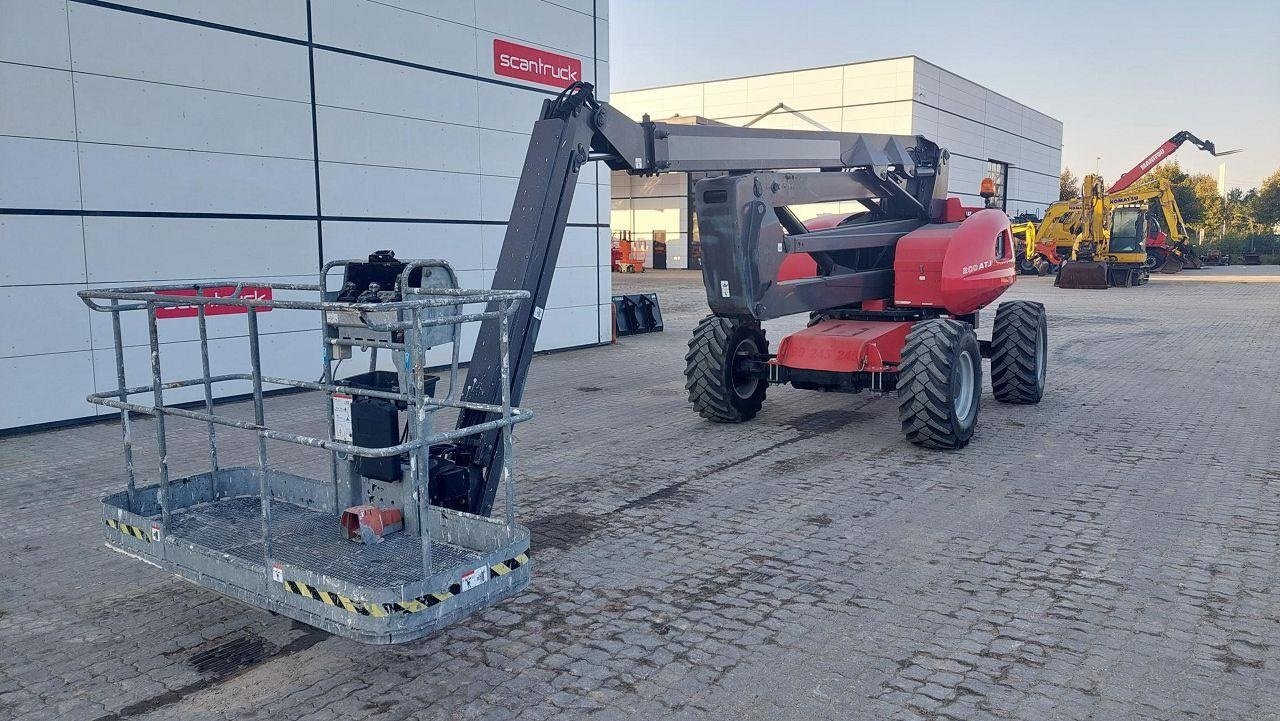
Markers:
{"x": 744, "y": 382}
{"x": 962, "y": 389}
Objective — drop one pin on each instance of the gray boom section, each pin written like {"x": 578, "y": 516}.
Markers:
{"x": 898, "y": 173}
{"x": 557, "y": 150}
{"x": 694, "y": 148}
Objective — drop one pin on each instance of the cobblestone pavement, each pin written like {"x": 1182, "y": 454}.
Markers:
{"x": 1109, "y": 554}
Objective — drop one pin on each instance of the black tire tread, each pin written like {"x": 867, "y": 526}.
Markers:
{"x": 924, "y": 384}
{"x": 1013, "y": 352}
{"x": 705, "y": 373}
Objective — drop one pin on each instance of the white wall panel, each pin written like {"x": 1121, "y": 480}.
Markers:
{"x": 460, "y": 245}
{"x": 394, "y": 33}
{"x": 462, "y": 12}
{"x": 40, "y": 249}
{"x": 42, "y": 319}
{"x": 110, "y": 42}
{"x": 146, "y": 250}
{"x": 603, "y": 86}
{"x": 510, "y": 109}
{"x": 277, "y": 17}
{"x": 35, "y": 32}
{"x": 147, "y": 179}
{"x": 353, "y": 136}
{"x": 573, "y": 287}
{"x": 568, "y": 327}
{"x": 132, "y": 112}
{"x": 46, "y": 388}
{"x": 363, "y": 190}
{"x": 497, "y": 196}
{"x": 36, "y": 102}
{"x": 38, "y": 174}
{"x": 539, "y": 23}
{"x": 502, "y": 153}
{"x": 356, "y": 83}
{"x": 579, "y": 250}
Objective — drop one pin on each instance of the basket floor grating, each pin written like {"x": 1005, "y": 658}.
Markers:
{"x": 309, "y": 539}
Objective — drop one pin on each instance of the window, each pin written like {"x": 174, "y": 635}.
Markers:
{"x": 1004, "y": 245}
{"x": 999, "y": 173}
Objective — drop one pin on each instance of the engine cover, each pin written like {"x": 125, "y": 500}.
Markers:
{"x": 959, "y": 267}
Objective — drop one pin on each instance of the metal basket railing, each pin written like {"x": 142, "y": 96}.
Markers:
{"x": 407, "y": 321}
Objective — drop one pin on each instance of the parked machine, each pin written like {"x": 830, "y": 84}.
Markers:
{"x": 626, "y": 254}
{"x": 1033, "y": 259}
{"x": 398, "y": 541}
{"x": 1098, "y": 256}
{"x": 1168, "y": 242}
{"x": 1166, "y": 149}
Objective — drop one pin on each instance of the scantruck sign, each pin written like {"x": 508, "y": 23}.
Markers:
{"x": 534, "y": 65}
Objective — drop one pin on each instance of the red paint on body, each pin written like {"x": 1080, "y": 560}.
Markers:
{"x": 958, "y": 267}
{"x": 845, "y": 346}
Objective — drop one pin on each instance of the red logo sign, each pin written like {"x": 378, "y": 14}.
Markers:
{"x": 221, "y": 291}
{"x": 539, "y": 66}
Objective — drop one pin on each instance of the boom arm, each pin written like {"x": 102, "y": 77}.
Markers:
{"x": 1160, "y": 190}
{"x": 1169, "y": 147}
{"x": 906, "y": 175}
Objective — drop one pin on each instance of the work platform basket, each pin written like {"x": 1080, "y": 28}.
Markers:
{"x": 272, "y": 538}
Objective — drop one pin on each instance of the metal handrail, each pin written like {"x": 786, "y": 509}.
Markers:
{"x": 151, "y": 295}
{"x": 415, "y": 312}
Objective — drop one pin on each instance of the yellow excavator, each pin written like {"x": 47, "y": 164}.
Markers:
{"x": 1110, "y": 248}
{"x": 1168, "y": 243}
{"x": 1110, "y": 238}
{"x": 1042, "y": 248}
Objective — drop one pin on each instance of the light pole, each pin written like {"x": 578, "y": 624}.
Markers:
{"x": 1222, "y": 190}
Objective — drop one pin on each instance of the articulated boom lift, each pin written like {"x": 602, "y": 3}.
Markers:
{"x": 894, "y": 300}
{"x": 895, "y": 296}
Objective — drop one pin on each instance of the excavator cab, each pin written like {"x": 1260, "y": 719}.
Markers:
{"x": 1128, "y": 231}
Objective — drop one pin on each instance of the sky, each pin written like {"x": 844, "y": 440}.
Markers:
{"x": 1122, "y": 76}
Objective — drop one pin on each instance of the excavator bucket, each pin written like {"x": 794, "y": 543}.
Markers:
{"x": 1192, "y": 259}
{"x": 1084, "y": 275}
{"x": 1173, "y": 264}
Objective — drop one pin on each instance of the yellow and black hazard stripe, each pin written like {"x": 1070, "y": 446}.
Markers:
{"x": 509, "y": 565}
{"x": 409, "y": 605}
{"x": 128, "y": 530}
{"x": 377, "y": 610}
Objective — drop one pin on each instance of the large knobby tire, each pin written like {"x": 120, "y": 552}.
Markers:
{"x": 1019, "y": 352}
{"x": 940, "y": 384}
{"x": 718, "y": 390}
